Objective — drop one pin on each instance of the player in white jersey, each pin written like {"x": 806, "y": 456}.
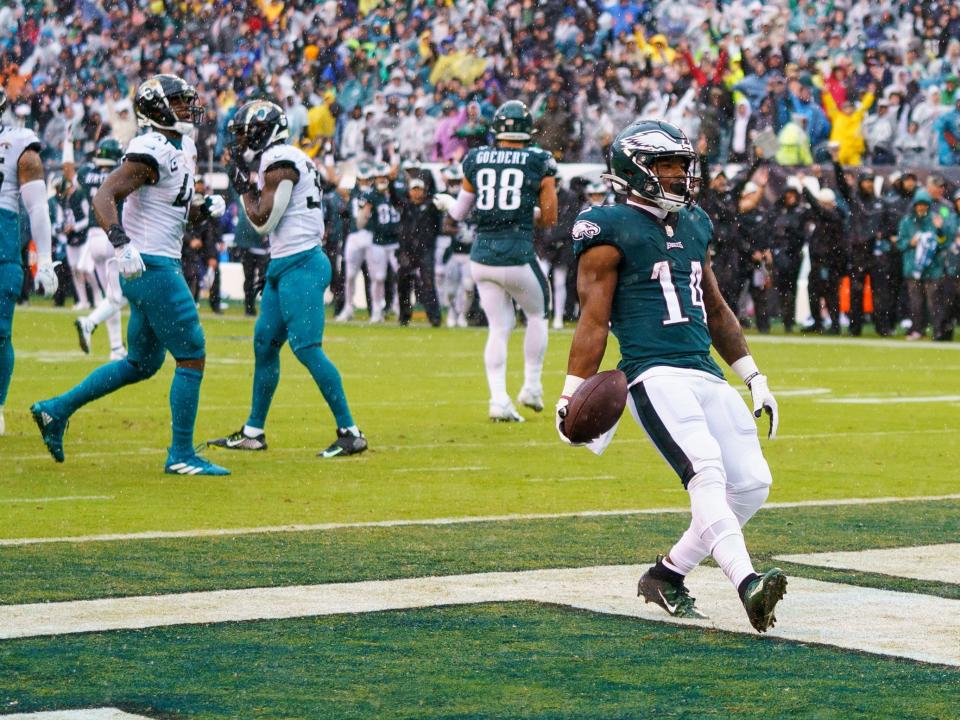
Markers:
{"x": 285, "y": 203}
{"x": 21, "y": 178}
{"x": 98, "y": 250}
{"x": 155, "y": 181}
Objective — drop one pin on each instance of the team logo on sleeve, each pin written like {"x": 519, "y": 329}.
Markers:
{"x": 585, "y": 229}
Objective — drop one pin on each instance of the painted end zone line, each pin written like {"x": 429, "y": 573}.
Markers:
{"x": 864, "y": 619}
{"x": 219, "y": 532}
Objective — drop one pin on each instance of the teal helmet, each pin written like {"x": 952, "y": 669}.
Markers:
{"x": 637, "y": 149}
{"x": 108, "y": 153}
{"x": 513, "y": 121}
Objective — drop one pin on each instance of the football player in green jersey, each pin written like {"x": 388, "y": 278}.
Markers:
{"x": 508, "y": 188}
{"x": 645, "y": 274}
{"x": 386, "y": 239}
{"x": 90, "y": 177}
{"x": 359, "y": 241}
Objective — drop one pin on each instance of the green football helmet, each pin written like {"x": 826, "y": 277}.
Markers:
{"x": 108, "y": 153}
{"x": 634, "y": 153}
{"x": 513, "y": 121}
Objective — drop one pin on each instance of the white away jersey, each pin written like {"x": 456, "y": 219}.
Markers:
{"x": 155, "y": 216}
{"x": 301, "y": 226}
{"x": 13, "y": 141}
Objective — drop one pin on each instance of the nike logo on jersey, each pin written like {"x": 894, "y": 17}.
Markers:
{"x": 670, "y": 608}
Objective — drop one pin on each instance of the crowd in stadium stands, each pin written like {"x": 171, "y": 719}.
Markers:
{"x": 815, "y": 91}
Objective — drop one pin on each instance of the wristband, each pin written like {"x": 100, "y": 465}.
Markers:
{"x": 117, "y": 236}
{"x": 570, "y": 385}
{"x": 746, "y": 368}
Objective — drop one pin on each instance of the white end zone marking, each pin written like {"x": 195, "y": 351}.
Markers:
{"x": 85, "y": 714}
{"x": 219, "y": 532}
{"x": 846, "y": 616}
{"x": 926, "y": 562}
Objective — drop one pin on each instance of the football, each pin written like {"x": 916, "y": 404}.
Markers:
{"x": 596, "y": 406}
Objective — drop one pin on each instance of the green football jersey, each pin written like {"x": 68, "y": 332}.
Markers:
{"x": 385, "y": 221}
{"x": 506, "y": 182}
{"x": 90, "y": 178}
{"x": 658, "y": 314}
{"x": 359, "y": 198}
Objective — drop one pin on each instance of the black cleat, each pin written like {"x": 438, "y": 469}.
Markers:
{"x": 674, "y": 597}
{"x": 346, "y": 444}
{"x": 240, "y": 441}
{"x": 761, "y": 596}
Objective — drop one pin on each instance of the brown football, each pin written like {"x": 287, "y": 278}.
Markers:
{"x": 596, "y": 406}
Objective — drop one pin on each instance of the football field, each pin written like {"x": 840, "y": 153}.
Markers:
{"x": 465, "y": 569}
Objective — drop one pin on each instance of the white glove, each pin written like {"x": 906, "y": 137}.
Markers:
{"x": 46, "y": 280}
{"x": 129, "y": 262}
{"x": 763, "y": 400}
{"x": 443, "y": 202}
{"x": 569, "y": 387}
{"x": 214, "y": 205}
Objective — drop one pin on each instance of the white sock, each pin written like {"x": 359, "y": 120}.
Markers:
{"x": 559, "y": 292}
{"x": 495, "y": 360}
{"x": 252, "y": 432}
{"x": 534, "y": 349}
{"x": 353, "y": 430}
{"x": 717, "y": 526}
{"x": 102, "y": 312}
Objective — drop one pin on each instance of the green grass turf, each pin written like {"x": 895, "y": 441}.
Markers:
{"x": 68, "y": 571}
{"x": 489, "y": 661}
{"x": 420, "y": 395}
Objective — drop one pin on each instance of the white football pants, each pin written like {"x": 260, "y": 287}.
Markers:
{"x": 108, "y": 310}
{"x": 558, "y": 280}
{"x": 356, "y": 250}
{"x": 81, "y": 276}
{"x": 499, "y": 287}
{"x": 458, "y": 284}
{"x": 378, "y": 258}
{"x": 704, "y": 430}
{"x": 439, "y": 268}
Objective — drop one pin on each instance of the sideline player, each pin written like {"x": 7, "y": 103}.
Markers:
{"x": 286, "y": 204}
{"x": 357, "y": 248}
{"x": 644, "y": 273}
{"x": 503, "y": 185}
{"x": 90, "y": 177}
{"x": 155, "y": 181}
{"x": 21, "y": 178}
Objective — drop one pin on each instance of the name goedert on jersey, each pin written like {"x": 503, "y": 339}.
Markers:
{"x": 505, "y": 157}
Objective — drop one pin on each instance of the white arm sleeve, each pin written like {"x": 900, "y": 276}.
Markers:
{"x": 34, "y": 195}
{"x": 281, "y": 198}
{"x": 463, "y": 206}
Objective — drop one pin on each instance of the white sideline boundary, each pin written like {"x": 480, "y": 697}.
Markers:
{"x": 864, "y": 619}
{"x": 938, "y": 563}
{"x": 295, "y": 528}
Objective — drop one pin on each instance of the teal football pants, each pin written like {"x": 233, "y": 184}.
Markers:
{"x": 292, "y": 309}
{"x": 163, "y": 317}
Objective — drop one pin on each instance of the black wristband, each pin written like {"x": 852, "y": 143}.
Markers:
{"x": 750, "y": 378}
{"x": 117, "y": 236}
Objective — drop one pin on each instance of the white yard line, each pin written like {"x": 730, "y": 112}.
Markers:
{"x": 853, "y": 342}
{"x": 85, "y": 714}
{"x": 498, "y": 443}
{"x": 220, "y": 532}
{"x": 434, "y": 469}
{"x": 62, "y": 498}
{"x": 926, "y": 562}
{"x": 569, "y": 478}
{"x": 864, "y": 619}
{"x": 889, "y": 400}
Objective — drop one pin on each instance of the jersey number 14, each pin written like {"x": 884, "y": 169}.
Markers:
{"x": 674, "y": 315}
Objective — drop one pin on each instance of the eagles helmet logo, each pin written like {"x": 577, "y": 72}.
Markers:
{"x": 656, "y": 142}
{"x": 585, "y": 229}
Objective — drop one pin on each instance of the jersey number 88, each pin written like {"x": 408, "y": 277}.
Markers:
{"x": 502, "y": 192}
